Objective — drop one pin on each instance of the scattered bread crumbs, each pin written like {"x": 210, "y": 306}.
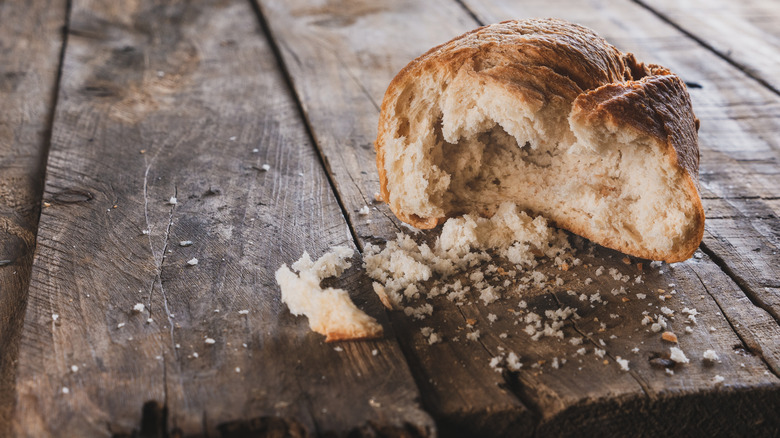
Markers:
{"x": 330, "y": 311}
{"x": 677, "y": 355}
{"x": 669, "y": 337}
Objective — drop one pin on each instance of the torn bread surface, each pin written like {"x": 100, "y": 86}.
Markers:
{"x": 330, "y": 311}
{"x": 547, "y": 115}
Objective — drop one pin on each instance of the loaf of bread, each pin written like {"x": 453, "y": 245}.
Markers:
{"x": 546, "y": 114}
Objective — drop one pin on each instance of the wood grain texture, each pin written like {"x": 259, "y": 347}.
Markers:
{"x": 745, "y": 32}
{"x": 185, "y": 101}
{"x": 30, "y": 45}
{"x": 340, "y": 57}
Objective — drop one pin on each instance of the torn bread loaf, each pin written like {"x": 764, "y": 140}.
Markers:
{"x": 330, "y": 311}
{"x": 549, "y": 116}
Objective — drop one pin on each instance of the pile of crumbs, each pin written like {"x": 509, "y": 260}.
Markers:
{"x": 476, "y": 262}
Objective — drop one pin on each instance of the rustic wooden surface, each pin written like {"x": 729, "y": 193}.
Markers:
{"x": 30, "y": 46}
{"x": 163, "y": 100}
{"x": 329, "y": 52}
{"x": 170, "y": 101}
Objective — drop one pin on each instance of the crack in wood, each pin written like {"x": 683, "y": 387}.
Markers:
{"x": 740, "y": 282}
{"x": 755, "y": 348}
{"x": 274, "y": 45}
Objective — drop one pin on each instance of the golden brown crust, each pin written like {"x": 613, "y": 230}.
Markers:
{"x": 548, "y": 59}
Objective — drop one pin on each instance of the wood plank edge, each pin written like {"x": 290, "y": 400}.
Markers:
{"x": 747, "y": 287}
{"x": 273, "y": 44}
{"x": 21, "y": 263}
{"x": 754, "y": 414}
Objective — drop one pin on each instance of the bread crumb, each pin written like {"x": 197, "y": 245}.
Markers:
{"x": 513, "y": 362}
{"x": 192, "y": 262}
{"x": 669, "y": 371}
{"x": 364, "y": 211}
{"x": 330, "y": 311}
{"x": 74, "y": 368}
{"x": 710, "y": 355}
{"x": 473, "y": 336}
{"x": 120, "y": 325}
{"x": 185, "y": 243}
{"x": 243, "y": 312}
{"x": 677, "y": 355}
{"x": 173, "y": 200}
{"x": 238, "y": 370}
{"x": 599, "y": 352}
{"x": 266, "y": 167}
{"x": 65, "y": 390}
{"x": 623, "y": 363}
{"x": 209, "y": 341}
{"x": 137, "y": 308}
{"x": 718, "y": 379}
{"x": 374, "y": 352}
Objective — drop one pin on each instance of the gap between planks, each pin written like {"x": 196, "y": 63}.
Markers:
{"x": 744, "y": 69}
{"x": 290, "y": 89}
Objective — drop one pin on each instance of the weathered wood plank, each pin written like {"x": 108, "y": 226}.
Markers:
{"x": 30, "y": 45}
{"x": 341, "y": 57}
{"x": 185, "y": 101}
{"x": 744, "y": 32}
{"x": 738, "y": 139}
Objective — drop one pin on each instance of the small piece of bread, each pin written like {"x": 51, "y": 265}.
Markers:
{"x": 330, "y": 311}
{"x": 549, "y": 116}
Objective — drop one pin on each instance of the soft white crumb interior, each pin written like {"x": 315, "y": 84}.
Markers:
{"x": 456, "y": 148}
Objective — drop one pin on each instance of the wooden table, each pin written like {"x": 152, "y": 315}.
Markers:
{"x": 110, "y": 109}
